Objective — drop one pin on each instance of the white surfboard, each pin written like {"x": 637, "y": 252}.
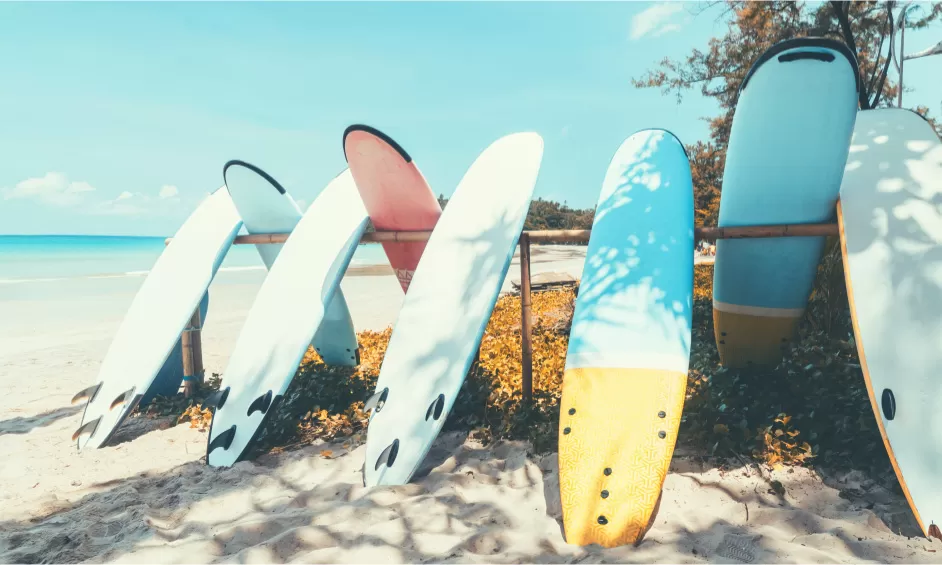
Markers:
{"x": 160, "y": 311}
{"x": 287, "y": 312}
{"x": 450, "y": 299}
{"x": 266, "y": 207}
{"x": 891, "y": 234}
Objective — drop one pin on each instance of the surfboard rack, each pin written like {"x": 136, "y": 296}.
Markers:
{"x": 192, "y": 354}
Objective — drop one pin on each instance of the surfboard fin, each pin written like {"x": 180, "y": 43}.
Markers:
{"x": 86, "y": 394}
{"x": 223, "y": 440}
{"x": 216, "y": 400}
{"x": 260, "y": 404}
{"x": 122, "y": 398}
{"x": 435, "y": 408}
{"x": 86, "y": 428}
{"x": 377, "y": 400}
{"x": 388, "y": 456}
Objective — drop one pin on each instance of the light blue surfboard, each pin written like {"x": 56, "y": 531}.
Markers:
{"x": 787, "y": 147}
{"x": 629, "y": 346}
{"x": 266, "y": 207}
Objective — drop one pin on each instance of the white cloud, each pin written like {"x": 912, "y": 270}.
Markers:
{"x": 52, "y": 188}
{"x": 655, "y": 20}
{"x": 168, "y": 191}
{"x": 125, "y": 204}
{"x": 667, "y": 29}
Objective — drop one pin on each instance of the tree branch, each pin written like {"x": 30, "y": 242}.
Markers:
{"x": 843, "y": 19}
{"x": 886, "y": 66}
{"x": 876, "y": 70}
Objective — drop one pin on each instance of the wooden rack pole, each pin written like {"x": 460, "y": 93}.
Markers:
{"x": 710, "y": 233}
{"x": 192, "y": 355}
{"x": 526, "y": 322}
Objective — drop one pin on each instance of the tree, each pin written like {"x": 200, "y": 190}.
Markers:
{"x": 865, "y": 27}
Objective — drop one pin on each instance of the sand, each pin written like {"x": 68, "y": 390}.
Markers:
{"x": 149, "y": 498}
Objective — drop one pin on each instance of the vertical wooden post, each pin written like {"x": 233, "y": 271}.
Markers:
{"x": 526, "y": 323}
{"x": 192, "y": 355}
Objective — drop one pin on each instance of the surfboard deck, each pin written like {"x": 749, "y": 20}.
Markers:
{"x": 284, "y": 318}
{"x": 160, "y": 310}
{"x": 450, "y": 299}
{"x": 787, "y": 147}
{"x": 891, "y": 241}
{"x": 266, "y": 207}
{"x": 629, "y": 347}
{"x": 394, "y": 192}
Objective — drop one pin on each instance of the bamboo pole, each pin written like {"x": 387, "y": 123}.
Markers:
{"x": 192, "y": 355}
{"x": 710, "y": 233}
{"x": 526, "y": 323}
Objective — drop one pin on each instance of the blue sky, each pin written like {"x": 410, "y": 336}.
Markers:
{"x": 116, "y": 118}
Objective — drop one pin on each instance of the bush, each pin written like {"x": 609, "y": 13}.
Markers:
{"x": 812, "y": 407}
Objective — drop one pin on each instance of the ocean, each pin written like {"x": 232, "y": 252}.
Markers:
{"x": 52, "y": 258}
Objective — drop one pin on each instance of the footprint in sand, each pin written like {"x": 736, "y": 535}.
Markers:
{"x": 738, "y": 547}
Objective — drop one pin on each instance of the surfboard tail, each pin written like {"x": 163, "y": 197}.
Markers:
{"x": 753, "y": 337}
{"x": 610, "y": 475}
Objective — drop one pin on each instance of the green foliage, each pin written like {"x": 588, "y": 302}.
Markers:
{"x": 718, "y": 70}
{"x": 550, "y": 215}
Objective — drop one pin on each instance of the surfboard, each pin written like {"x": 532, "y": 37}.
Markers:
{"x": 394, "y": 192}
{"x": 629, "y": 346}
{"x": 787, "y": 148}
{"x": 891, "y": 237}
{"x": 450, "y": 299}
{"x": 160, "y": 310}
{"x": 266, "y": 207}
{"x": 287, "y": 312}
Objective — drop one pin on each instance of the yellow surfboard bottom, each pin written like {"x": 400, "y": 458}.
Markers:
{"x": 746, "y": 340}
{"x": 617, "y": 429}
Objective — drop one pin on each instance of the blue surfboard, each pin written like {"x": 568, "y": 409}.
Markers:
{"x": 629, "y": 346}
{"x": 788, "y": 143}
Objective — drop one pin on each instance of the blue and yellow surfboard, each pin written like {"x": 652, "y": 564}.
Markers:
{"x": 787, "y": 147}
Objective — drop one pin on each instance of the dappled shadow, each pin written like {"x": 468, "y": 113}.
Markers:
{"x": 639, "y": 268}
{"x": 480, "y": 504}
{"x": 26, "y": 424}
{"x": 891, "y": 217}
{"x": 290, "y": 506}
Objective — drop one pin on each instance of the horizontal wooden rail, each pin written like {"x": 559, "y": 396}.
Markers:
{"x": 192, "y": 358}
{"x": 710, "y": 233}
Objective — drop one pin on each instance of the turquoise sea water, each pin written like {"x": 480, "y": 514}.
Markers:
{"x": 48, "y": 258}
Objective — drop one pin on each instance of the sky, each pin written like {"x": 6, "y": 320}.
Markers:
{"x": 117, "y": 118}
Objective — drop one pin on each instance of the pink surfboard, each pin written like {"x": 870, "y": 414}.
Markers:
{"x": 395, "y": 194}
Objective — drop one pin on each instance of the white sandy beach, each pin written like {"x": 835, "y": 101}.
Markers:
{"x": 150, "y": 499}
